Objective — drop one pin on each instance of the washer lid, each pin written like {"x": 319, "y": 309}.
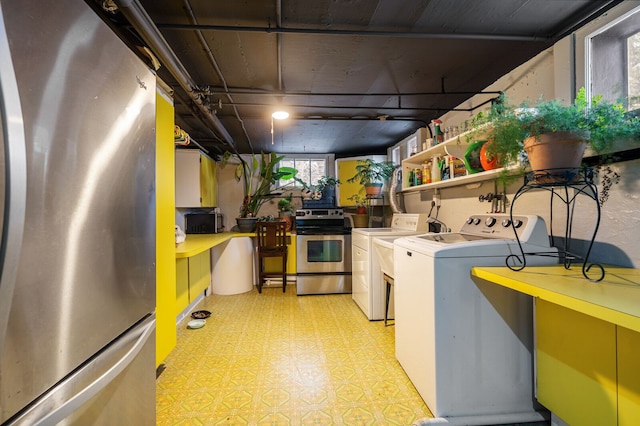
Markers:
{"x": 451, "y": 237}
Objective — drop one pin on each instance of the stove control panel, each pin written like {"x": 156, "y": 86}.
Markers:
{"x": 309, "y": 214}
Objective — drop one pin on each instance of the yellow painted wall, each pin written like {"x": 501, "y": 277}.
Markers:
{"x": 346, "y": 169}
{"x": 165, "y": 231}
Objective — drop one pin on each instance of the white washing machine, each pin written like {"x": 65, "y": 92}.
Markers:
{"x": 468, "y": 347}
{"x": 368, "y": 288}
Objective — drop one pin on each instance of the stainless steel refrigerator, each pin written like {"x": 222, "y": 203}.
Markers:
{"x": 77, "y": 195}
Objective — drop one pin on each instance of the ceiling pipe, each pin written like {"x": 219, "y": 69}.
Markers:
{"x": 375, "y": 108}
{"x": 598, "y": 8}
{"x": 279, "y": 43}
{"x": 217, "y": 69}
{"x": 241, "y": 91}
{"x": 360, "y": 33}
{"x": 142, "y": 23}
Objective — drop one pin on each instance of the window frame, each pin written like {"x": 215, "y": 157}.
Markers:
{"x": 589, "y": 54}
{"x": 329, "y": 166}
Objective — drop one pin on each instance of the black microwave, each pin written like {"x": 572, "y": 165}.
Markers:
{"x": 204, "y": 223}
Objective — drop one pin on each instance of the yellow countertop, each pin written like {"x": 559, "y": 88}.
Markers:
{"x": 197, "y": 243}
{"x": 615, "y": 299}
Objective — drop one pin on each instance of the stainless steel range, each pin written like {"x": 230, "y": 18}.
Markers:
{"x": 323, "y": 252}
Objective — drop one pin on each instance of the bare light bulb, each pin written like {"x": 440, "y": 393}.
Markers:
{"x": 280, "y": 115}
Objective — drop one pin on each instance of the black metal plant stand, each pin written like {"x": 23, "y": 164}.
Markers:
{"x": 566, "y": 185}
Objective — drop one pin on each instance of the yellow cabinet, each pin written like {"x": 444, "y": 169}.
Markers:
{"x": 193, "y": 276}
{"x": 165, "y": 220}
{"x": 195, "y": 179}
{"x": 576, "y": 365}
{"x": 199, "y": 274}
{"x": 588, "y": 370}
{"x": 182, "y": 285}
{"x": 628, "y": 376}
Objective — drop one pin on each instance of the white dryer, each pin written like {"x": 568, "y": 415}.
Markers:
{"x": 368, "y": 287}
{"x": 468, "y": 347}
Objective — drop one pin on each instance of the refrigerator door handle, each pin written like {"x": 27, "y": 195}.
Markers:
{"x": 48, "y": 410}
{"x": 13, "y": 168}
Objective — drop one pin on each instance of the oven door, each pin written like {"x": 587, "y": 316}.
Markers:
{"x": 323, "y": 254}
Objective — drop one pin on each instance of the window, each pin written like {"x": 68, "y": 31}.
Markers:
{"x": 613, "y": 60}
{"x": 633, "y": 70}
{"x": 309, "y": 168}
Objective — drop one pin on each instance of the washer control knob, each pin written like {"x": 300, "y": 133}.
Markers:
{"x": 490, "y": 221}
{"x": 517, "y": 223}
{"x": 506, "y": 223}
{"x": 470, "y": 220}
{"x": 476, "y": 221}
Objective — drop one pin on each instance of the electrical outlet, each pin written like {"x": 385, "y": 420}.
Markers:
{"x": 436, "y": 199}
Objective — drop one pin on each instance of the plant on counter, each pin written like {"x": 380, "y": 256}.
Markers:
{"x": 285, "y": 210}
{"x": 268, "y": 218}
{"x": 326, "y": 182}
{"x": 284, "y": 204}
{"x": 324, "y": 187}
{"x": 258, "y": 175}
{"x": 372, "y": 174}
{"x": 327, "y": 186}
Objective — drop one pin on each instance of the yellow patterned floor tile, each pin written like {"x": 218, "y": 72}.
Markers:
{"x": 313, "y": 396}
{"x": 274, "y": 397}
{"x": 398, "y": 414}
{"x": 274, "y": 419}
{"x": 231, "y": 420}
{"x": 358, "y": 416}
{"x": 280, "y": 359}
{"x": 317, "y": 418}
{"x": 236, "y": 399}
{"x": 350, "y": 392}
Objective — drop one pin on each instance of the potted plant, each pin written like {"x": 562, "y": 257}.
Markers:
{"x": 327, "y": 186}
{"x": 258, "y": 175}
{"x": 372, "y": 174}
{"x": 361, "y": 218}
{"x": 550, "y": 125}
{"x": 284, "y": 210}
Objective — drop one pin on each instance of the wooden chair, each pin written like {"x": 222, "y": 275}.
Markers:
{"x": 272, "y": 242}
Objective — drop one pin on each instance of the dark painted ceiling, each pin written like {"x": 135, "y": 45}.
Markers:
{"x": 356, "y": 75}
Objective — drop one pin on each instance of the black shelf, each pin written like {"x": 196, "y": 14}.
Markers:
{"x": 565, "y": 185}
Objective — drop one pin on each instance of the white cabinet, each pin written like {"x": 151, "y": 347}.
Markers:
{"x": 360, "y": 272}
{"x": 196, "y": 184}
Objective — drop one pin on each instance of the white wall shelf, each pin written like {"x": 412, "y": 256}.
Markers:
{"x": 455, "y": 147}
{"x": 462, "y": 180}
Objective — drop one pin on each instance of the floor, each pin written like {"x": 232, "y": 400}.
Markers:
{"x": 279, "y": 359}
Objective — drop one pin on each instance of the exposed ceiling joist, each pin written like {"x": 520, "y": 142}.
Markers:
{"x": 358, "y": 76}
